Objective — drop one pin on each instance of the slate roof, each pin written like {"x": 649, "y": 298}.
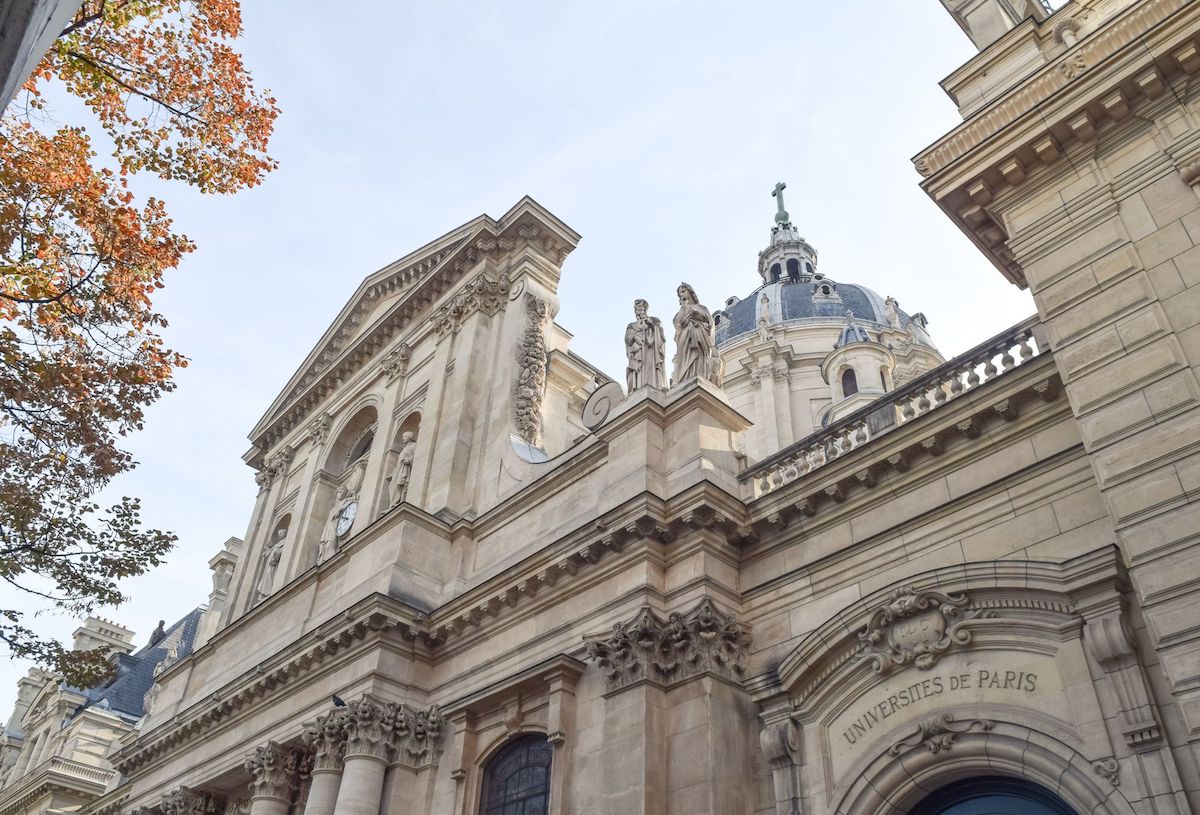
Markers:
{"x": 135, "y": 672}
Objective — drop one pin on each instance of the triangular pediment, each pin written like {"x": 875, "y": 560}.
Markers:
{"x": 390, "y": 302}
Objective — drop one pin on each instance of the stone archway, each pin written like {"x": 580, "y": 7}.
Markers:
{"x": 956, "y": 748}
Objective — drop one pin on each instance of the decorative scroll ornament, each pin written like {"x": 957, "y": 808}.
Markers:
{"x": 1108, "y": 769}
{"x": 481, "y": 294}
{"x": 530, "y": 387}
{"x": 704, "y": 641}
{"x": 325, "y": 738}
{"x": 939, "y": 733}
{"x": 915, "y": 629}
{"x": 187, "y": 801}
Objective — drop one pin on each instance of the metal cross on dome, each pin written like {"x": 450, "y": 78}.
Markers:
{"x": 781, "y": 217}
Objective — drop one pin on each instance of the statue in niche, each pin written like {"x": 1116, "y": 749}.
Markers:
{"x": 891, "y": 310}
{"x": 271, "y": 557}
{"x": 328, "y": 546}
{"x": 764, "y": 317}
{"x": 695, "y": 344}
{"x": 402, "y": 472}
{"x": 645, "y": 350}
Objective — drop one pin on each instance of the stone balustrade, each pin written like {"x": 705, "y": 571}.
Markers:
{"x": 977, "y": 367}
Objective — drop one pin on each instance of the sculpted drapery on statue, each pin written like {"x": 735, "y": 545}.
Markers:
{"x": 271, "y": 557}
{"x": 402, "y": 472}
{"x": 695, "y": 343}
{"x": 645, "y": 350}
{"x": 329, "y": 536}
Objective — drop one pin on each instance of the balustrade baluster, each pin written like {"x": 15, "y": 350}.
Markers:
{"x": 989, "y": 370}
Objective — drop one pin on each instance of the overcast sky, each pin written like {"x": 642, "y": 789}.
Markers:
{"x": 655, "y": 129}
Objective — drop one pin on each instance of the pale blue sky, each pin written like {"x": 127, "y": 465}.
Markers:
{"x": 655, "y": 129}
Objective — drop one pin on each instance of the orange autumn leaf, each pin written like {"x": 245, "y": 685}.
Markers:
{"x": 80, "y": 261}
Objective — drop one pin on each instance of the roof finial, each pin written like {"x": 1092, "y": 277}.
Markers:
{"x": 781, "y": 217}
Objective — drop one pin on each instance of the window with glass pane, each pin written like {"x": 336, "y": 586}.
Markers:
{"x": 517, "y": 780}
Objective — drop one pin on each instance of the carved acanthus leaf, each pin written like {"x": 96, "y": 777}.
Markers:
{"x": 187, "y": 801}
{"x": 325, "y": 737}
{"x": 395, "y": 363}
{"x": 666, "y": 652}
{"x": 916, "y": 628}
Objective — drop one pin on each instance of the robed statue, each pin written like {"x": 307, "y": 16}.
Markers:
{"x": 328, "y": 546}
{"x": 402, "y": 471}
{"x": 271, "y": 557}
{"x": 695, "y": 344}
{"x": 645, "y": 350}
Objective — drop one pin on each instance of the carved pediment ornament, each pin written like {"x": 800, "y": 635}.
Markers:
{"x": 484, "y": 293}
{"x": 318, "y": 429}
{"x": 939, "y": 733}
{"x": 916, "y": 628}
{"x": 666, "y": 652}
{"x": 187, "y": 801}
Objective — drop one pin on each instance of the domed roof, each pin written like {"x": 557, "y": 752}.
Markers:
{"x": 807, "y": 298}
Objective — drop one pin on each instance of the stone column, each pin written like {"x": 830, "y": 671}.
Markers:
{"x": 272, "y": 772}
{"x": 325, "y": 738}
{"x": 368, "y": 729}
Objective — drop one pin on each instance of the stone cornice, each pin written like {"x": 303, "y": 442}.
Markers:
{"x": 1131, "y": 58}
{"x": 428, "y": 275}
{"x": 56, "y": 774}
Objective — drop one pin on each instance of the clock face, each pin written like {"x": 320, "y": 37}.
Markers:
{"x": 346, "y": 519}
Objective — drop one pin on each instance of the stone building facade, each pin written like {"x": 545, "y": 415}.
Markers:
{"x": 832, "y": 573}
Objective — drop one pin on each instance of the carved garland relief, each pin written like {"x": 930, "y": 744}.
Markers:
{"x": 530, "y": 388}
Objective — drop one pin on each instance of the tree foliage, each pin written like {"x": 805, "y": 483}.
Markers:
{"x": 81, "y": 354}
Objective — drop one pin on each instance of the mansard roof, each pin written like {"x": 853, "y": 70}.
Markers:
{"x": 421, "y": 279}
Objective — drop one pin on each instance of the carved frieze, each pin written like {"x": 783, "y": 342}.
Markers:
{"x": 939, "y": 733}
{"x": 530, "y": 388}
{"x": 187, "y": 801}
{"x": 666, "y": 652}
{"x": 485, "y": 293}
{"x": 915, "y": 628}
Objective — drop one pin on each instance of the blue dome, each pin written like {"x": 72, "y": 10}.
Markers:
{"x": 815, "y": 298}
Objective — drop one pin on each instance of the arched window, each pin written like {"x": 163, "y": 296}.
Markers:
{"x": 974, "y": 796}
{"x": 775, "y": 273}
{"x": 517, "y": 780}
{"x": 808, "y": 267}
{"x": 362, "y": 446}
{"x": 793, "y": 267}
{"x": 849, "y": 382}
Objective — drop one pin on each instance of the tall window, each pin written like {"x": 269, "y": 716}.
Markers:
{"x": 849, "y": 382}
{"x": 793, "y": 267}
{"x": 776, "y": 271}
{"x": 517, "y": 779}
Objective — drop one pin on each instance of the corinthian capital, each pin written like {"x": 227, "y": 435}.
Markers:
{"x": 666, "y": 652}
{"x": 187, "y": 801}
{"x": 326, "y": 738}
{"x": 418, "y": 736}
{"x": 368, "y": 728}
{"x": 272, "y": 772}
